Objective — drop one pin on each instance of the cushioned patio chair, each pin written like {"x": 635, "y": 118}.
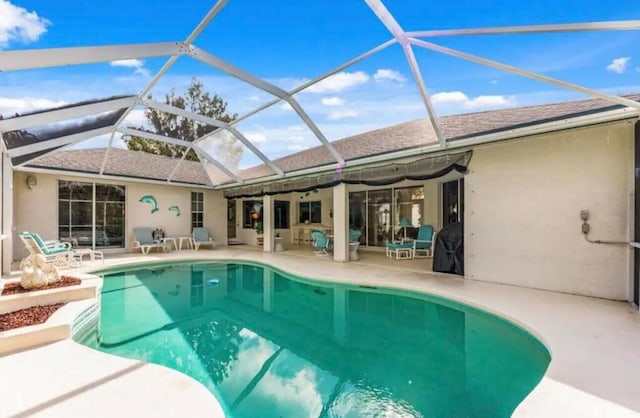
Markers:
{"x": 200, "y": 236}
{"x": 321, "y": 243}
{"x": 55, "y": 252}
{"x": 423, "y": 245}
{"x": 144, "y": 240}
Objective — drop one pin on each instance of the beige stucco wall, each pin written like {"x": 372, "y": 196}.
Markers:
{"x": 522, "y": 215}
{"x": 37, "y": 209}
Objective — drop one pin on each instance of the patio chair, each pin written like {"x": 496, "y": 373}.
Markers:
{"x": 424, "y": 243}
{"x": 144, "y": 240}
{"x": 55, "y": 252}
{"x": 200, "y": 236}
{"x": 321, "y": 243}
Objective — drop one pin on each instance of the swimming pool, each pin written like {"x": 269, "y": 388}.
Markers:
{"x": 271, "y": 345}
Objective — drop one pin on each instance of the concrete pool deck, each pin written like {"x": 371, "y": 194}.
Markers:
{"x": 593, "y": 342}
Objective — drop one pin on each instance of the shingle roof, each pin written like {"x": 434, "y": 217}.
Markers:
{"x": 125, "y": 163}
{"x": 398, "y": 137}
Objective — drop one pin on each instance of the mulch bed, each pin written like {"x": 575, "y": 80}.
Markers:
{"x": 13, "y": 288}
{"x": 29, "y": 316}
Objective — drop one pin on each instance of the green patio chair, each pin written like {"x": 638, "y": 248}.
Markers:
{"x": 200, "y": 236}
{"x": 56, "y": 252}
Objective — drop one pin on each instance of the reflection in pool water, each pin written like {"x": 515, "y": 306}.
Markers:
{"x": 268, "y": 345}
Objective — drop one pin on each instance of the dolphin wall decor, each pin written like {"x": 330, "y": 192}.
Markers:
{"x": 175, "y": 209}
{"x": 152, "y": 200}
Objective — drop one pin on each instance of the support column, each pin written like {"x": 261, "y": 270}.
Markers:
{"x": 7, "y": 214}
{"x": 268, "y": 284}
{"x": 340, "y": 223}
{"x": 267, "y": 223}
{"x": 340, "y": 315}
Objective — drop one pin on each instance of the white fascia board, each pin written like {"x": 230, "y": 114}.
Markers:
{"x": 217, "y": 163}
{"x": 53, "y": 143}
{"x": 524, "y": 73}
{"x": 555, "y": 28}
{"x": 182, "y": 112}
{"x": 461, "y": 144}
{"x": 119, "y": 179}
{"x": 56, "y": 57}
{"x": 207, "y": 58}
{"x": 56, "y": 115}
{"x": 156, "y": 137}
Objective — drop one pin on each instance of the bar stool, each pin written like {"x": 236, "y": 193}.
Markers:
{"x": 306, "y": 236}
{"x": 297, "y": 236}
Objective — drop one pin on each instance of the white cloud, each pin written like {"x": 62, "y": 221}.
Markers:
{"x": 18, "y": 24}
{"x": 478, "y": 102}
{"x": 136, "y": 118}
{"x": 286, "y": 106}
{"x": 339, "y": 82}
{"x": 493, "y": 81}
{"x": 297, "y": 147}
{"x": 10, "y": 106}
{"x": 137, "y": 65}
{"x": 449, "y": 97}
{"x": 342, "y": 114}
{"x": 619, "y": 65}
{"x": 488, "y": 102}
{"x": 256, "y": 137}
{"x": 388, "y": 74}
{"x": 332, "y": 101}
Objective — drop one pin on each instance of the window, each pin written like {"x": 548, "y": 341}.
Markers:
{"x": 281, "y": 214}
{"x": 310, "y": 211}
{"x": 251, "y": 213}
{"x": 197, "y": 210}
{"x": 91, "y": 213}
{"x": 197, "y": 288}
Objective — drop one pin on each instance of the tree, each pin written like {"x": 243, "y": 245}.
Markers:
{"x": 195, "y": 100}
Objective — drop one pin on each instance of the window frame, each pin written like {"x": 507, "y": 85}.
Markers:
{"x": 195, "y": 223}
{"x": 285, "y": 221}
{"x": 311, "y": 219}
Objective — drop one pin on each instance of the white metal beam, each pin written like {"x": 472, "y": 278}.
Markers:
{"x": 555, "y": 28}
{"x": 228, "y": 68}
{"x": 167, "y": 65}
{"x": 255, "y": 150}
{"x": 56, "y": 115}
{"x": 314, "y": 81}
{"x": 182, "y": 112}
{"x": 217, "y": 163}
{"x": 386, "y": 18}
{"x": 56, "y": 57}
{"x": 52, "y": 143}
{"x": 214, "y": 122}
{"x": 525, "y": 73}
{"x": 174, "y": 141}
{"x": 155, "y": 137}
{"x": 431, "y": 111}
{"x": 307, "y": 120}
{"x": 222, "y": 65}
{"x": 175, "y": 169}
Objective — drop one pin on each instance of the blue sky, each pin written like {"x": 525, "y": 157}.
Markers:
{"x": 289, "y": 42}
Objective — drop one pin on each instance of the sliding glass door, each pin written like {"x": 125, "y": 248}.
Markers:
{"x": 378, "y": 213}
{"x": 91, "y": 214}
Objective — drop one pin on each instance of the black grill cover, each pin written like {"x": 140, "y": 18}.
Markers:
{"x": 448, "y": 254}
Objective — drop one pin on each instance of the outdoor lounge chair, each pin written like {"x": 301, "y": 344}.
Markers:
{"x": 321, "y": 243}
{"x": 424, "y": 243}
{"x": 413, "y": 247}
{"x": 144, "y": 240}
{"x": 55, "y": 252}
{"x": 200, "y": 236}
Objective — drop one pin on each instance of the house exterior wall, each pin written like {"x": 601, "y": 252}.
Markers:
{"x": 522, "y": 215}
{"x": 37, "y": 209}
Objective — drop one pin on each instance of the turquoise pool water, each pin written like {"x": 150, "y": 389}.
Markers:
{"x": 270, "y": 345}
